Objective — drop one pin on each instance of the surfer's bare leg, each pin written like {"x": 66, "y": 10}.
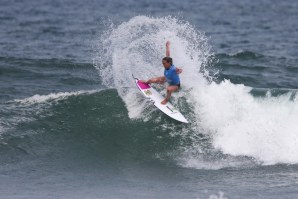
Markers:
{"x": 170, "y": 89}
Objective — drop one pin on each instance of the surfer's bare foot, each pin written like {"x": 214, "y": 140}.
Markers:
{"x": 164, "y": 101}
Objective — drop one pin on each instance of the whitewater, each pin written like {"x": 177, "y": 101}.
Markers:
{"x": 240, "y": 126}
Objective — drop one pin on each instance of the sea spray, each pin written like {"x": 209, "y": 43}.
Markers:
{"x": 138, "y": 46}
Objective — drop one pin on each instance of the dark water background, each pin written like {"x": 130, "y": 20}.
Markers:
{"x": 83, "y": 144}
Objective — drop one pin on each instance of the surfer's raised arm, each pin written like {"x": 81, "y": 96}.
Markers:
{"x": 168, "y": 49}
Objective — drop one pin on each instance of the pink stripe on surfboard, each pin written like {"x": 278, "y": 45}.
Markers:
{"x": 143, "y": 85}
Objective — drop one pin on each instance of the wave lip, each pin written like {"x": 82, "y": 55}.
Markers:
{"x": 36, "y": 99}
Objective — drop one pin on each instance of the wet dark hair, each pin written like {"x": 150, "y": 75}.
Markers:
{"x": 168, "y": 59}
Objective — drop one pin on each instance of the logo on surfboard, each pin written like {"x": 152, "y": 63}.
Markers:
{"x": 147, "y": 92}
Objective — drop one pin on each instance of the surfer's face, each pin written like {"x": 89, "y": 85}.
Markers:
{"x": 166, "y": 64}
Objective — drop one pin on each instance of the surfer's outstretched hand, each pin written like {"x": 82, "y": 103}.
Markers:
{"x": 168, "y": 43}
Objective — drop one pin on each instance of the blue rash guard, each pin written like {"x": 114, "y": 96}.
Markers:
{"x": 172, "y": 76}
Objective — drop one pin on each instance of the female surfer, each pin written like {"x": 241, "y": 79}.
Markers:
{"x": 170, "y": 75}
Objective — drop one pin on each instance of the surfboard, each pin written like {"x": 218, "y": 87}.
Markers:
{"x": 156, "y": 98}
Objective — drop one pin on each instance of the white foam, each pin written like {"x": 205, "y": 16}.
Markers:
{"x": 242, "y": 125}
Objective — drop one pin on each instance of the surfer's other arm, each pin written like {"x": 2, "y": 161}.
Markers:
{"x": 178, "y": 70}
{"x": 159, "y": 80}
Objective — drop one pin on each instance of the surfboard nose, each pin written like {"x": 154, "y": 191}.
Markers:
{"x": 143, "y": 85}
{"x": 182, "y": 119}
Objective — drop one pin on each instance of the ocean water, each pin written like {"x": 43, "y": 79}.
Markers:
{"x": 73, "y": 124}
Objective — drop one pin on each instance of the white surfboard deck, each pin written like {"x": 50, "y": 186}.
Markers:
{"x": 156, "y": 98}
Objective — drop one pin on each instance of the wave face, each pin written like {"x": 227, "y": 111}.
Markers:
{"x": 230, "y": 126}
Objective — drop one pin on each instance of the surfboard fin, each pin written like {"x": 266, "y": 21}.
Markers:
{"x": 134, "y": 77}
